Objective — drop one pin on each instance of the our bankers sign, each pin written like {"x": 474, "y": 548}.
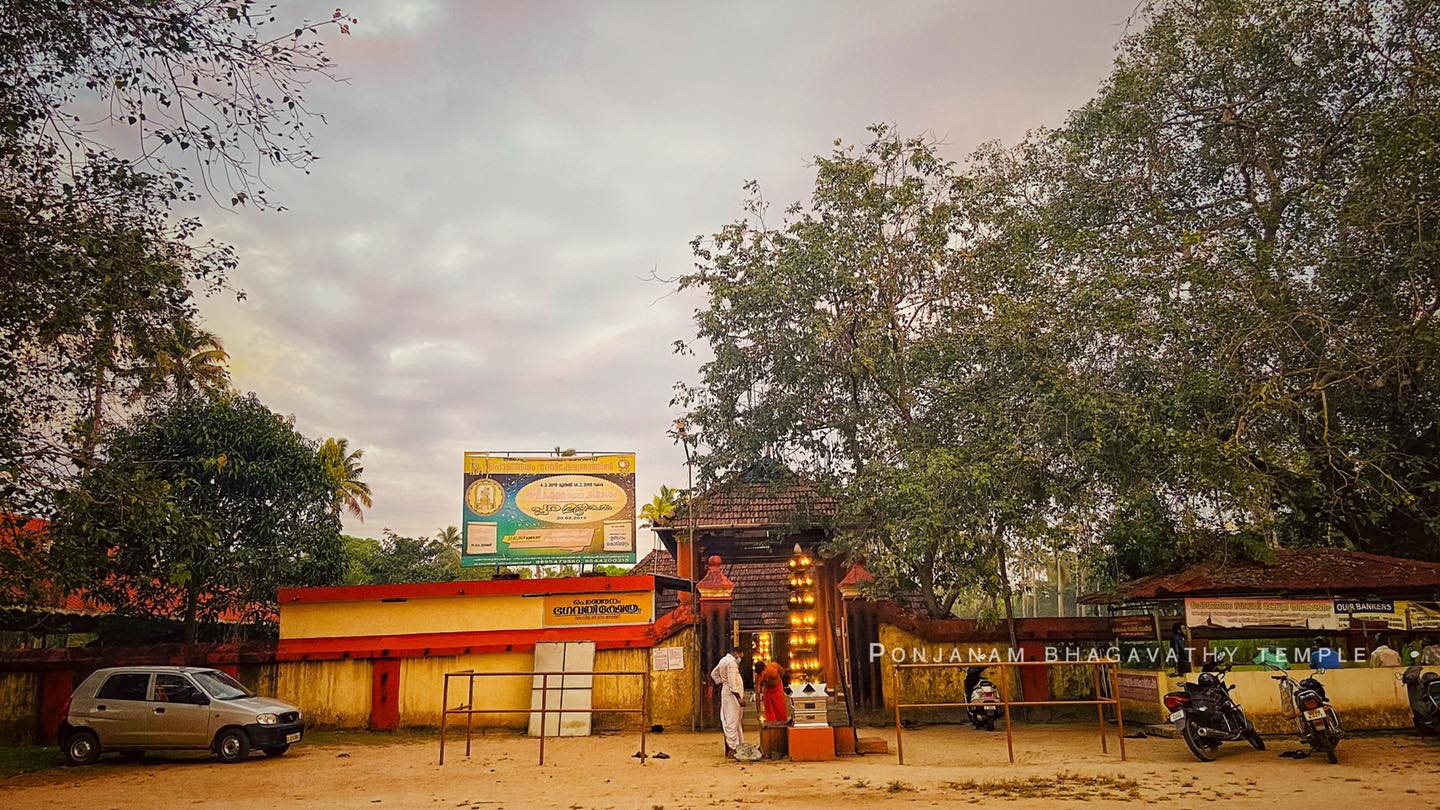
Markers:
{"x": 549, "y": 509}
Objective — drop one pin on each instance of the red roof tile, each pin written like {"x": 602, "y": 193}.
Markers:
{"x": 1313, "y": 571}
{"x": 744, "y": 505}
{"x": 761, "y": 599}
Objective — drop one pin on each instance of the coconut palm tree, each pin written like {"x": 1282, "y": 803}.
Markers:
{"x": 351, "y": 494}
{"x": 449, "y": 535}
{"x": 661, "y": 508}
{"x": 187, "y": 360}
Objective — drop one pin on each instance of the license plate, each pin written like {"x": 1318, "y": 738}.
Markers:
{"x": 1177, "y": 715}
{"x": 292, "y": 738}
{"x": 1315, "y": 714}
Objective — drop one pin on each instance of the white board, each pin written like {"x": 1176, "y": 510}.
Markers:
{"x": 562, "y": 691}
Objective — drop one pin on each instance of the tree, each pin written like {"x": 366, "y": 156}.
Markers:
{"x": 450, "y": 536}
{"x": 112, "y": 114}
{"x": 396, "y": 559}
{"x": 187, "y": 360}
{"x": 661, "y": 507}
{"x": 351, "y": 494}
{"x": 201, "y": 508}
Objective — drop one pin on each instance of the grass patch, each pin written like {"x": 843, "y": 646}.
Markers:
{"x": 1060, "y": 786}
{"x": 897, "y": 787}
{"x": 18, "y": 759}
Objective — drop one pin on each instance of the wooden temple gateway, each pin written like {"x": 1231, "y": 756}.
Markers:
{"x": 757, "y": 557}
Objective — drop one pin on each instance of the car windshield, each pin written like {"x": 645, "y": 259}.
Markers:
{"x": 222, "y": 686}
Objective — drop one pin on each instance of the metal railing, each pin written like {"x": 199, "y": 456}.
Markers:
{"x": 468, "y": 708}
{"x": 1099, "y": 702}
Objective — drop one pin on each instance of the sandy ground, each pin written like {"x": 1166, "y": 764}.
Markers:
{"x": 945, "y": 766}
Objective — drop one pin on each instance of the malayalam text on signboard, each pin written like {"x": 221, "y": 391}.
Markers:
{"x": 548, "y": 509}
{"x": 589, "y": 609}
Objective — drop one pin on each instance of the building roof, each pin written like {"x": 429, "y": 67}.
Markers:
{"x": 744, "y": 504}
{"x": 1294, "y": 571}
{"x": 761, "y": 599}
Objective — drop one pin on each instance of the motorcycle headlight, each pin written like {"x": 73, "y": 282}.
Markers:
{"x": 267, "y": 719}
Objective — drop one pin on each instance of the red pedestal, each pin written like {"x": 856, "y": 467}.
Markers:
{"x": 812, "y": 744}
{"x": 844, "y": 741}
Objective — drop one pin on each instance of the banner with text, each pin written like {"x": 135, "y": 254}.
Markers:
{"x": 1313, "y": 614}
{"x": 548, "y": 510}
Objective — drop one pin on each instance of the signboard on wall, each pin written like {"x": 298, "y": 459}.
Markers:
{"x": 1141, "y": 686}
{"x": 548, "y": 510}
{"x": 591, "y": 609}
{"x": 1312, "y": 614}
{"x": 1140, "y": 627}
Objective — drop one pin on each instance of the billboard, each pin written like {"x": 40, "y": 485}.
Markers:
{"x": 548, "y": 510}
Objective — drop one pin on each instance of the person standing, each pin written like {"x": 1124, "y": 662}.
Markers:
{"x": 726, "y": 676}
{"x": 771, "y": 686}
{"x": 1180, "y": 648}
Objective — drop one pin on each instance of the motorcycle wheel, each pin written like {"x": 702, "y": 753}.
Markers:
{"x": 1197, "y": 746}
{"x": 989, "y": 724}
{"x": 1324, "y": 742}
{"x": 1421, "y": 726}
{"x": 1252, "y": 737}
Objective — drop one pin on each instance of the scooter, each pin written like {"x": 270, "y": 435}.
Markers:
{"x": 1315, "y": 719}
{"x": 1424, "y": 691}
{"x": 1206, "y": 716}
{"x": 979, "y": 689}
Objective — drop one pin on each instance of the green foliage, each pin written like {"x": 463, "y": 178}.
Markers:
{"x": 1195, "y": 320}
{"x": 111, "y": 115}
{"x": 661, "y": 507}
{"x": 343, "y": 465}
{"x": 397, "y": 559}
{"x": 200, "y": 508}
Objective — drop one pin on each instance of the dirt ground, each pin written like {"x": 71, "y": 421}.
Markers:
{"x": 945, "y": 766}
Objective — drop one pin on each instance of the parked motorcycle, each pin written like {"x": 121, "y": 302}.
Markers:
{"x": 1206, "y": 716}
{"x": 979, "y": 689}
{"x": 1315, "y": 719}
{"x": 1424, "y": 691}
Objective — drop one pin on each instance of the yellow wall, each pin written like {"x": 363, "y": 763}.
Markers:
{"x": 455, "y": 614}
{"x": 329, "y": 693}
{"x": 672, "y": 692}
{"x": 19, "y": 707}
{"x": 939, "y": 685}
{"x": 422, "y": 684}
{"x": 1366, "y": 698}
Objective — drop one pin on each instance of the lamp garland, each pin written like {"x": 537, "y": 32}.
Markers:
{"x": 804, "y": 661}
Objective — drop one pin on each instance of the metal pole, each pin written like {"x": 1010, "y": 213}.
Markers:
{"x": 544, "y": 692}
{"x": 644, "y": 712}
{"x": 1005, "y": 698}
{"x": 899, "y": 734}
{"x": 469, "y": 714}
{"x": 444, "y": 714}
{"x": 1099, "y": 708}
{"x": 1119, "y": 713}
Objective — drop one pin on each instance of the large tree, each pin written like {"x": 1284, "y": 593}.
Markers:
{"x": 199, "y": 509}
{"x": 112, "y": 113}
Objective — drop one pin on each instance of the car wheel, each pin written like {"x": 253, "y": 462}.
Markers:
{"x": 276, "y": 751}
{"x": 233, "y": 745}
{"x": 82, "y": 748}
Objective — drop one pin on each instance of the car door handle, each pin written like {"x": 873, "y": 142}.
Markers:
{"x": 160, "y": 710}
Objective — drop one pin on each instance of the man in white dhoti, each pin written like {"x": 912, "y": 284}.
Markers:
{"x": 726, "y": 675}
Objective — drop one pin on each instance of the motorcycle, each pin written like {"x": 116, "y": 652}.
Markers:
{"x": 1206, "y": 716}
{"x": 1424, "y": 691}
{"x": 979, "y": 689}
{"x": 1315, "y": 719}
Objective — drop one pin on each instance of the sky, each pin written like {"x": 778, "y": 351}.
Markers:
{"x": 472, "y": 263}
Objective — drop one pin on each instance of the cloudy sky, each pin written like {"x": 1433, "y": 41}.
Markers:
{"x": 469, "y": 267}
